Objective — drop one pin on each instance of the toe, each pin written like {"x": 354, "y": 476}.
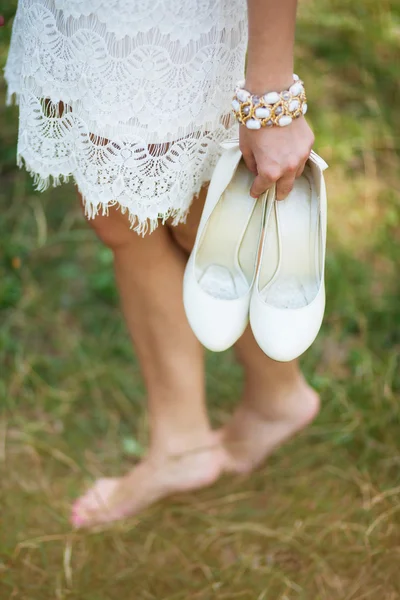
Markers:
{"x": 94, "y": 506}
{"x": 77, "y": 521}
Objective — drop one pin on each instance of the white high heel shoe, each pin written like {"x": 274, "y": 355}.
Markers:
{"x": 221, "y": 269}
{"x": 288, "y": 299}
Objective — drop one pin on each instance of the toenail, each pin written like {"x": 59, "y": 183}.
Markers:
{"x": 77, "y": 520}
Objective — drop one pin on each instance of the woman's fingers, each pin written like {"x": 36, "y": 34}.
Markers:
{"x": 268, "y": 174}
{"x": 283, "y": 175}
{"x": 301, "y": 169}
{"x": 276, "y": 155}
{"x": 285, "y": 184}
{"x": 250, "y": 161}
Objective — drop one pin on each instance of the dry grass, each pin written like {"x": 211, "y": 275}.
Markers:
{"x": 321, "y": 520}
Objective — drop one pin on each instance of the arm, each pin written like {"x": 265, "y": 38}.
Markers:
{"x": 274, "y": 154}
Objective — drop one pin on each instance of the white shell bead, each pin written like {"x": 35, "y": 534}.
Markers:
{"x": 263, "y": 113}
{"x": 235, "y": 105}
{"x": 305, "y": 107}
{"x": 295, "y": 77}
{"x": 294, "y": 105}
{"x": 296, "y": 89}
{"x": 285, "y": 120}
{"x": 243, "y": 95}
{"x": 241, "y": 83}
{"x": 253, "y": 124}
{"x": 272, "y": 97}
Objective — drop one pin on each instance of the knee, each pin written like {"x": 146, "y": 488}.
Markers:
{"x": 112, "y": 229}
{"x": 185, "y": 236}
{"x": 115, "y": 232}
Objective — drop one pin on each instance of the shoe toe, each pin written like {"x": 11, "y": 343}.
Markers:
{"x": 285, "y": 334}
{"x": 217, "y": 323}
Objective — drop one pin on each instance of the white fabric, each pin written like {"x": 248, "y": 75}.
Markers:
{"x": 145, "y": 89}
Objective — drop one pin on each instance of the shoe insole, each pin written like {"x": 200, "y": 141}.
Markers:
{"x": 226, "y": 256}
{"x": 293, "y": 247}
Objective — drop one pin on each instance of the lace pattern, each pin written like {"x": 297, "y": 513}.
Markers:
{"x": 136, "y": 118}
{"x": 140, "y": 17}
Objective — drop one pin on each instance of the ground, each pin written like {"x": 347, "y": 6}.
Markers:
{"x": 321, "y": 519}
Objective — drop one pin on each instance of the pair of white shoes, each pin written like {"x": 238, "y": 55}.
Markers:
{"x": 260, "y": 259}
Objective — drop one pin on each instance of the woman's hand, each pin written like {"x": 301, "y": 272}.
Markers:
{"x": 276, "y": 155}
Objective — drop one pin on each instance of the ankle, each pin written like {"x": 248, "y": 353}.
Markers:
{"x": 180, "y": 442}
{"x": 281, "y": 400}
{"x": 274, "y": 384}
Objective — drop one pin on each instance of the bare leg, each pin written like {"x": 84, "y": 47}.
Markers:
{"x": 183, "y": 452}
{"x": 276, "y": 403}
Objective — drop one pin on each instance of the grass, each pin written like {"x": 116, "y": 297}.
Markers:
{"x": 321, "y": 520}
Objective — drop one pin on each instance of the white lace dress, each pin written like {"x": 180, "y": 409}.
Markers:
{"x": 129, "y": 97}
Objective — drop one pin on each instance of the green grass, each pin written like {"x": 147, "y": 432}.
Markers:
{"x": 321, "y": 520}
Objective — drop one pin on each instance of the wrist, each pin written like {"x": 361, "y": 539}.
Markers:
{"x": 268, "y": 108}
{"x": 262, "y": 83}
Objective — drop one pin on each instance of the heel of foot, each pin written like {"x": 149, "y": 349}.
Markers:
{"x": 252, "y": 435}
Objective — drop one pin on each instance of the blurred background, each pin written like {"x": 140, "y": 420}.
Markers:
{"x": 321, "y": 519}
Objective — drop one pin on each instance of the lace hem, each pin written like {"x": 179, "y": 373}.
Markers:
{"x": 150, "y": 183}
{"x": 135, "y": 118}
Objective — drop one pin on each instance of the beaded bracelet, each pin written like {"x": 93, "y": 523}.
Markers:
{"x": 273, "y": 108}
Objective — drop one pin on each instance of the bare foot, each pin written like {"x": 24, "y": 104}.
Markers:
{"x": 111, "y": 499}
{"x": 256, "y": 428}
